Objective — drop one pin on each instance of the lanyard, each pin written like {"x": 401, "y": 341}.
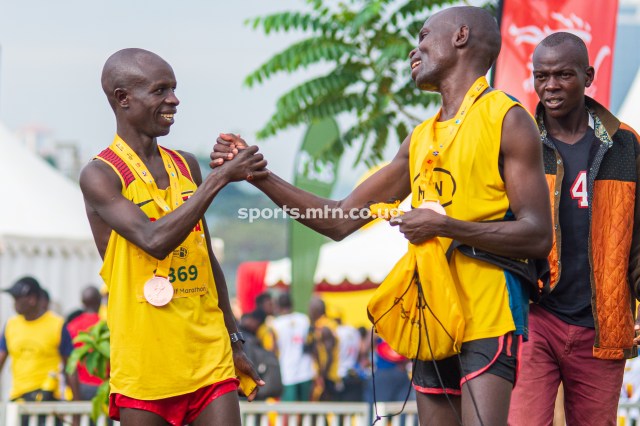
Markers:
{"x": 133, "y": 161}
{"x": 429, "y": 162}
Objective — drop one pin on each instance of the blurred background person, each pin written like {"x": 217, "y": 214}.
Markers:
{"x": 296, "y": 363}
{"x": 91, "y": 299}
{"x": 38, "y": 344}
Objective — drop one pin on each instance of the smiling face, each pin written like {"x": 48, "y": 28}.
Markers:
{"x": 150, "y": 98}
{"x": 560, "y": 75}
{"x": 435, "y": 53}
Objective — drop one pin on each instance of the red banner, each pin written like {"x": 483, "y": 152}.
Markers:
{"x": 527, "y": 22}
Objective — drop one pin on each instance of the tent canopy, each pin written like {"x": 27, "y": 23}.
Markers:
{"x": 44, "y": 204}
{"x": 348, "y": 269}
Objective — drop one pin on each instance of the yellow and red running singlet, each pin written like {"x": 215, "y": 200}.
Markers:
{"x": 183, "y": 346}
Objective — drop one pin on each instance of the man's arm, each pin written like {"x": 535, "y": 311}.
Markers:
{"x": 530, "y": 234}
{"x": 390, "y": 182}
{"x": 3, "y": 359}
{"x": 101, "y": 188}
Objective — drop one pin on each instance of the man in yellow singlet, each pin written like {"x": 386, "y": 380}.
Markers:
{"x": 485, "y": 170}
{"x": 175, "y": 347}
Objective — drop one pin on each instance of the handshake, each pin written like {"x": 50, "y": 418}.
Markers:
{"x": 238, "y": 161}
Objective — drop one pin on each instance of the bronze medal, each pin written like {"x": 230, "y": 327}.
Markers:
{"x": 158, "y": 291}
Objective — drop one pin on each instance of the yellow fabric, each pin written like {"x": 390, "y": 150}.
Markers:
{"x": 171, "y": 350}
{"x": 266, "y": 336}
{"x": 34, "y": 350}
{"x": 340, "y": 305}
{"x": 467, "y": 183}
{"x": 323, "y": 358}
{"x": 433, "y": 332}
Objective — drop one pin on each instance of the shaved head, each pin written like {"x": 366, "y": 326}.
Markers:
{"x": 570, "y": 44}
{"x": 484, "y": 40}
{"x": 125, "y": 68}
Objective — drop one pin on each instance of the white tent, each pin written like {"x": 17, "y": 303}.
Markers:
{"x": 630, "y": 109}
{"x": 365, "y": 256}
{"x": 44, "y": 231}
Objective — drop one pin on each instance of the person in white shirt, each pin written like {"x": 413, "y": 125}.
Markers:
{"x": 296, "y": 363}
{"x": 349, "y": 352}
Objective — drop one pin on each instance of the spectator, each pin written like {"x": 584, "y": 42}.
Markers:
{"x": 296, "y": 364}
{"x": 91, "y": 300}
{"x": 38, "y": 344}
{"x": 325, "y": 349}
{"x": 265, "y": 333}
{"x": 349, "y": 371}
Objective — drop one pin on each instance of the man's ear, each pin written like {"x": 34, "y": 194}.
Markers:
{"x": 461, "y": 37}
{"x": 590, "y": 75}
{"x": 121, "y": 97}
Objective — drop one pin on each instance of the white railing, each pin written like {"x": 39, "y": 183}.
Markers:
{"x": 52, "y": 411}
{"x": 253, "y": 414}
{"x": 263, "y": 414}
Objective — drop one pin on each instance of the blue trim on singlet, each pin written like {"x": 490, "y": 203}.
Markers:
{"x": 519, "y": 304}
{"x": 518, "y": 296}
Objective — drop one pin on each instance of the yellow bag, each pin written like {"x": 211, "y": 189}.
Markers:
{"x": 416, "y": 309}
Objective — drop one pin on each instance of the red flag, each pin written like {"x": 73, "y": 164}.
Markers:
{"x": 526, "y": 22}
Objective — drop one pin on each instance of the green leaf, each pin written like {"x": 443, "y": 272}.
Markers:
{"x": 334, "y": 82}
{"x": 84, "y": 337}
{"x": 285, "y": 21}
{"x": 104, "y": 348}
{"x": 369, "y": 13}
{"x": 100, "y": 402}
{"x": 300, "y": 55}
{"x": 91, "y": 361}
{"x": 367, "y": 42}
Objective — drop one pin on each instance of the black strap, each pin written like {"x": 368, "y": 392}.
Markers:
{"x": 531, "y": 272}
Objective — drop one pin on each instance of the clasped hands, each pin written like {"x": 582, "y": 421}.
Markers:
{"x": 245, "y": 160}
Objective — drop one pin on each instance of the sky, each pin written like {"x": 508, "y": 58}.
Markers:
{"x": 52, "y": 55}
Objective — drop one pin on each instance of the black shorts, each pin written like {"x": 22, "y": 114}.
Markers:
{"x": 495, "y": 355}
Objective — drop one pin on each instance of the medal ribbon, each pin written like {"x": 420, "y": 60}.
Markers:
{"x": 429, "y": 162}
{"x": 133, "y": 161}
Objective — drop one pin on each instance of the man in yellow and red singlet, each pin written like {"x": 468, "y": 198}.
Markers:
{"x": 479, "y": 162}
{"x": 176, "y": 353}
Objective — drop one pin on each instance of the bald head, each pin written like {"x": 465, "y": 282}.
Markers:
{"x": 484, "y": 35}
{"x": 571, "y": 46}
{"x": 126, "y": 68}
{"x": 91, "y": 299}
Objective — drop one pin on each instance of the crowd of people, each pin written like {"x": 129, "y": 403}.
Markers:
{"x": 319, "y": 357}
{"x": 560, "y": 186}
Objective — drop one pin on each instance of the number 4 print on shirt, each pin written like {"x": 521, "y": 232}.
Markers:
{"x": 579, "y": 190}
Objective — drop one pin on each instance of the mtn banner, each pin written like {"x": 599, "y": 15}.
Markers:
{"x": 525, "y": 23}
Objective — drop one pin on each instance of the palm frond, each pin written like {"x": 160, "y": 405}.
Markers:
{"x": 301, "y": 55}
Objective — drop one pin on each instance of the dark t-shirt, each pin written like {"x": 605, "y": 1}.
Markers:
{"x": 571, "y": 298}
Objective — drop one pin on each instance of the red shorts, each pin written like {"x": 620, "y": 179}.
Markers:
{"x": 176, "y": 410}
